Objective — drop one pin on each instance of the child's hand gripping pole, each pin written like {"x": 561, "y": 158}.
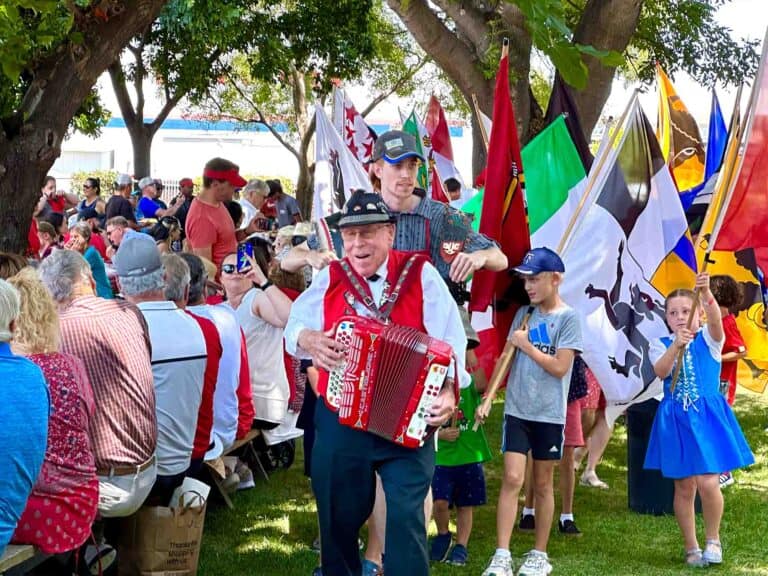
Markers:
{"x": 499, "y": 373}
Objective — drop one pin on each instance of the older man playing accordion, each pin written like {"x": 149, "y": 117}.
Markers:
{"x": 383, "y": 330}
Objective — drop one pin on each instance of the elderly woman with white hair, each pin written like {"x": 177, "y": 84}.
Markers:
{"x": 23, "y": 419}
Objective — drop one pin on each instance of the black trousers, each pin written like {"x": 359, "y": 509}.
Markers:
{"x": 344, "y": 464}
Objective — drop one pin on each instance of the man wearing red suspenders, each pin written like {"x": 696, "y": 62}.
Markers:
{"x": 345, "y": 460}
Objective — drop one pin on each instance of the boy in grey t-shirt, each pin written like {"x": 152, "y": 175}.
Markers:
{"x": 535, "y": 406}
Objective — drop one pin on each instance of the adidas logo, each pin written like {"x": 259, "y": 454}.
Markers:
{"x": 554, "y": 449}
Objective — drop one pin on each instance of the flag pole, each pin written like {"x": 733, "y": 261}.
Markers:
{"x": 481, "y": 124}
{"x": 732, "y": 165}
{"x": 611, "y": 139}
{"x": 333, "y": 104}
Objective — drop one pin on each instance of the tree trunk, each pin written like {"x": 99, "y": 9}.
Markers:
{"x": 31, "y": 141}
{"x": 606, "y": 25}
{"x": 141, "y": 141}
{"x": 458, "y": 54}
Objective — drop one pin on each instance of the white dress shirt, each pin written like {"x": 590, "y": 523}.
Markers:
{"x": 440, "y": 313}
{"x": 249, "y": 212}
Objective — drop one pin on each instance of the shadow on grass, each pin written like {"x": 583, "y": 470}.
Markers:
{"x": 273, "y": 525}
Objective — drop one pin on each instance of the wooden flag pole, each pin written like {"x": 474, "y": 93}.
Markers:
{"x": 732, "y": 165}
{"x": 612, "y": 138}
{"x": 481, "y": 125}
{"x": 499, "y": 373}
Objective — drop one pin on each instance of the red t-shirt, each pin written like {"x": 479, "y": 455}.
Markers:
{"x": 211, "y": 226}
{"x": 97, "y": 241}
{"x": 57, "y": 203}
{"x": 33, "y": 241}
{"x": 733, "y": 343}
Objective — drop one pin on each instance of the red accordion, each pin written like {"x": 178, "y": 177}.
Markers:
{"x": 389, "y": 379}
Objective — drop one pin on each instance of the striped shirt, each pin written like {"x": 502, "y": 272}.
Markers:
{"x": 112, "y": 340}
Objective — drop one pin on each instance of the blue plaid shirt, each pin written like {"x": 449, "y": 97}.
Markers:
{"x": 434, "y": 228}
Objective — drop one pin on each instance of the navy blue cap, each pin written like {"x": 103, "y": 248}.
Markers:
{"x": 540, "y": 260}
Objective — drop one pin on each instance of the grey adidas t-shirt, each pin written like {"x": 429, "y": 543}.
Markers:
{"x": 532, "y": 392}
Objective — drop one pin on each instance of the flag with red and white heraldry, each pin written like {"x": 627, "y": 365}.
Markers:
{"x": 441, "y": 150}
{"x": 337, "y": 171}
{"x": 349, "y": 123}
{"x": 504, "y": 217}
{"x": 633, "y": 222}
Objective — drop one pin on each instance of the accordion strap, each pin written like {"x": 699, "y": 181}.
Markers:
{"x": 362, "y": 293}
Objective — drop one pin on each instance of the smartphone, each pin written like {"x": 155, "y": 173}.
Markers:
{"x": 244, "y": 249}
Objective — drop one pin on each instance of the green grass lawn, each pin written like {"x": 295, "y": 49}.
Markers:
{"x": 270, "y": 531}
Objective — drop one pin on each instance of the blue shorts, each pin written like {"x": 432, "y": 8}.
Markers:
{"x": 544, "y": 440}
{"x": 460, "y": 485}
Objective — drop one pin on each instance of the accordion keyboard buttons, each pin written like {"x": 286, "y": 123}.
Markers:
{"x": 336, "y": 377}
{"x": 417, "y": 427}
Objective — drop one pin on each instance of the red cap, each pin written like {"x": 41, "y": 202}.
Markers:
{"x": 186, "y": 182}
{"x": 231, "y": 176}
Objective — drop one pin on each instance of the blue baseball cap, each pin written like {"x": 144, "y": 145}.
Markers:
{"x": 540, "y": 260}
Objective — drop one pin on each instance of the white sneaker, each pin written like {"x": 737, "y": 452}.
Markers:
{"x": 499, "y": 566}
{"x": 536, "y": 564}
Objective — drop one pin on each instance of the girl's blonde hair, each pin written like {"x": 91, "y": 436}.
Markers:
{"x": 37, "y": 327}
{"x": 681, "y": 293}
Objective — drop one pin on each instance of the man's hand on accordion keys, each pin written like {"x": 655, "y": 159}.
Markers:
{"x": 326, "y": 352}
{"x": 442, "y": 408}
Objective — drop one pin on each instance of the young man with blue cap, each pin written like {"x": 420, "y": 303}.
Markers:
{"x": 535, "y": 407}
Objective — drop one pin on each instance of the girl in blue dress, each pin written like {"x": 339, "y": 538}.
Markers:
{"x": 695, "y": 435}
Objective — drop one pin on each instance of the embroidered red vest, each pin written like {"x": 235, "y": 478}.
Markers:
{"x": 407, "y": 311}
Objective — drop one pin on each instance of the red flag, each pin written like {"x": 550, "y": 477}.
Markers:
{"x": 504, "y": 217}
{"x": 745, "y": 224}
{"x": 440, "y": 135}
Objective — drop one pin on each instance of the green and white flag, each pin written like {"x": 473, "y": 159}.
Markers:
{"x": 412, "y": 125}
{"x": 554, "y": 183}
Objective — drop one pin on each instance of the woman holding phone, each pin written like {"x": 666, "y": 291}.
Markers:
{"x": 262, "y": 310}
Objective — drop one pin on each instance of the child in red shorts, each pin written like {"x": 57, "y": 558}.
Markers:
{"x": 729, "y": 296}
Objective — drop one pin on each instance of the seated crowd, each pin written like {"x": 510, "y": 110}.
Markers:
{"x": 129, "y": 362}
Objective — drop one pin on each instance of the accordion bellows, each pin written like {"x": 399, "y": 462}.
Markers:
{"x": 389, "y": 379}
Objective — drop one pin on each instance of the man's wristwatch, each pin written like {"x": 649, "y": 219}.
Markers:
{"x": 266, "y": 285}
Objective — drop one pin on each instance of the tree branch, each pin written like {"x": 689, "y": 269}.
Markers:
{"x": 451, "y": 54}
{"x": 138, "y": 81}
{"x": 395, "y": 87}
{"x": 120, "y": 88}
{"x": 470, "y": 22}
{"x": 172, "y": 100}
{"x": 261, "y": 119}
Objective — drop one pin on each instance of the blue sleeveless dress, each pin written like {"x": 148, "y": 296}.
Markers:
{"x": 695, "y": 431}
